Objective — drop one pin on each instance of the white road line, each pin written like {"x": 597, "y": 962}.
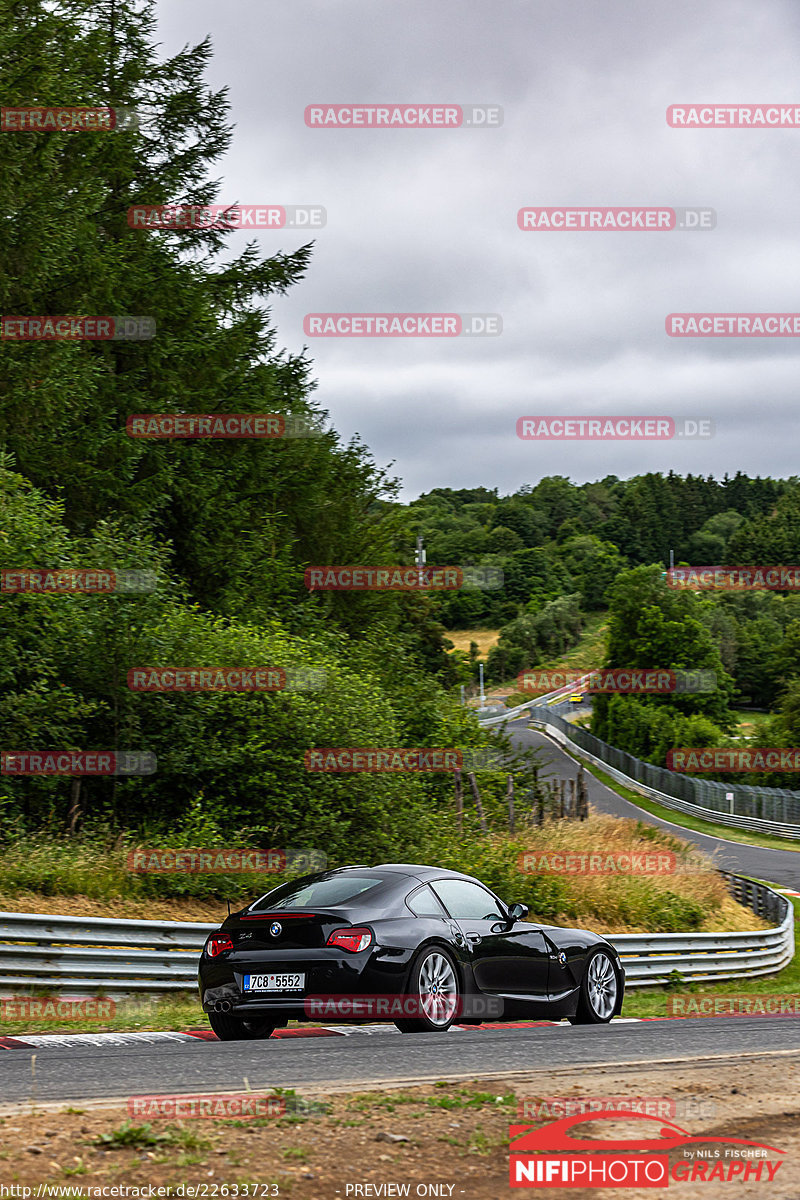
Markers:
{"x": 100, "y": 1039}
{"x": 67, "y": 1040}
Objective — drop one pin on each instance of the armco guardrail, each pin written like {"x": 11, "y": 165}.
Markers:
{"x": 650, "y": 959}
{"x": 742, "y": 806}
{"x": 508, "y": 715}
{"x": 100, "y": 956}
{"x": 536, "y": 702}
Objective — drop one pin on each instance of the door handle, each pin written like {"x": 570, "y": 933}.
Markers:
{"x": 474, "y": 938}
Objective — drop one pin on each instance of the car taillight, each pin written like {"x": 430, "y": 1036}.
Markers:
{"x": 216, "y": 945}
{"x": 353, "y": 939}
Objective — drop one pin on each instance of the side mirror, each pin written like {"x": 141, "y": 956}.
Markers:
{"x": 517, "y": 912}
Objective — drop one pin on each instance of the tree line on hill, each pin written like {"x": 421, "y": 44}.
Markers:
{"x": 749, "y": 639}
{"x": 228, "y": 527}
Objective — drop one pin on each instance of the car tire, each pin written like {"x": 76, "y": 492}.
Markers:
{"x": 434, "y": 983}
{"x": 597, "y": 998}
{"x": 230, "y": 1027}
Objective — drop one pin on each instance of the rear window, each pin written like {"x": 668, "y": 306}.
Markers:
{"x": 327, "y": 892}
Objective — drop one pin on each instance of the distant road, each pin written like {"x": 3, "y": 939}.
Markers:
{"x": 776, "y": 866}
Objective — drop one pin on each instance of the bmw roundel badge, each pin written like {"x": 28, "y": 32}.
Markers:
{"x": 276, "y": 929}
{"x": 562, "y": 959}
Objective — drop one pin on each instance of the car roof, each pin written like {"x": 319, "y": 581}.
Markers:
{"x": 417, "y": 871}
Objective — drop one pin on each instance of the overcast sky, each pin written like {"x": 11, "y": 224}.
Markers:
{"x": 425, "y": 220}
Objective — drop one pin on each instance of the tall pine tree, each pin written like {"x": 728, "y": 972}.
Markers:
{"x": 242, "y": 517}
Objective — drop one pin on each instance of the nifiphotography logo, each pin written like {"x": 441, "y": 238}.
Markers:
{"x": 555, "y": 1155}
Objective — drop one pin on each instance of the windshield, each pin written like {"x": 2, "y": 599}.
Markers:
{"x": 323, "y": 892}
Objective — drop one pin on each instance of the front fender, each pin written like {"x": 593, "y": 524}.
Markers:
{"x": 577, "y": 945}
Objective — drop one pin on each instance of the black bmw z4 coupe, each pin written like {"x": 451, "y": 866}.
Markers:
{"x": 420, "y": 946}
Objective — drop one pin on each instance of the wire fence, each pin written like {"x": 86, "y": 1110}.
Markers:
{"x": 743, "y": 806}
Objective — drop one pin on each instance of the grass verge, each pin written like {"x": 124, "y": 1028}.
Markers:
{"x": 137, "y": 1014}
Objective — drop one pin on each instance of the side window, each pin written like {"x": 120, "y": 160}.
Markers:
{"x": 464, "y": 900}
{"x": 423, "y": 903}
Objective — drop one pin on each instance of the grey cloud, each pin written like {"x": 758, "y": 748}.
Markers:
{"x": 426, "y": 220}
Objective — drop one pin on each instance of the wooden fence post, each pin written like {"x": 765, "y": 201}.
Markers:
{"x": 510, "y": 797}
{"x": 74, "y": 804}
{"x": 477, "y": 798}
{"x": 459, "y": 802}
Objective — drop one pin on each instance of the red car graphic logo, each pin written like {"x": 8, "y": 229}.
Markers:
{"x": 556, "y": 1136}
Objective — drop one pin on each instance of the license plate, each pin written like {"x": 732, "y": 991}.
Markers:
{"x": 274, "y": 983}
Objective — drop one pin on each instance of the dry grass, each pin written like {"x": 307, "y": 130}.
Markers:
{"x": 83, "y": 881}
{"x": 486, "y": 638}
{"x": 124, "y": 907}
{"x": 689, "y": 895}
{"x": 695, "y": 877}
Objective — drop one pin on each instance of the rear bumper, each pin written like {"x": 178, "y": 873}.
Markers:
{"x": 330, "y": 973}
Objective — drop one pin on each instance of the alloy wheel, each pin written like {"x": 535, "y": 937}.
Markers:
{"x": 602, "y": 985}
{"x": 438, "y": 990}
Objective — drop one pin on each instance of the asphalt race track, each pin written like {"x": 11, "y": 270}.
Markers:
{"x": 68, "y": 1075}
{"x": 759, "y": 862}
